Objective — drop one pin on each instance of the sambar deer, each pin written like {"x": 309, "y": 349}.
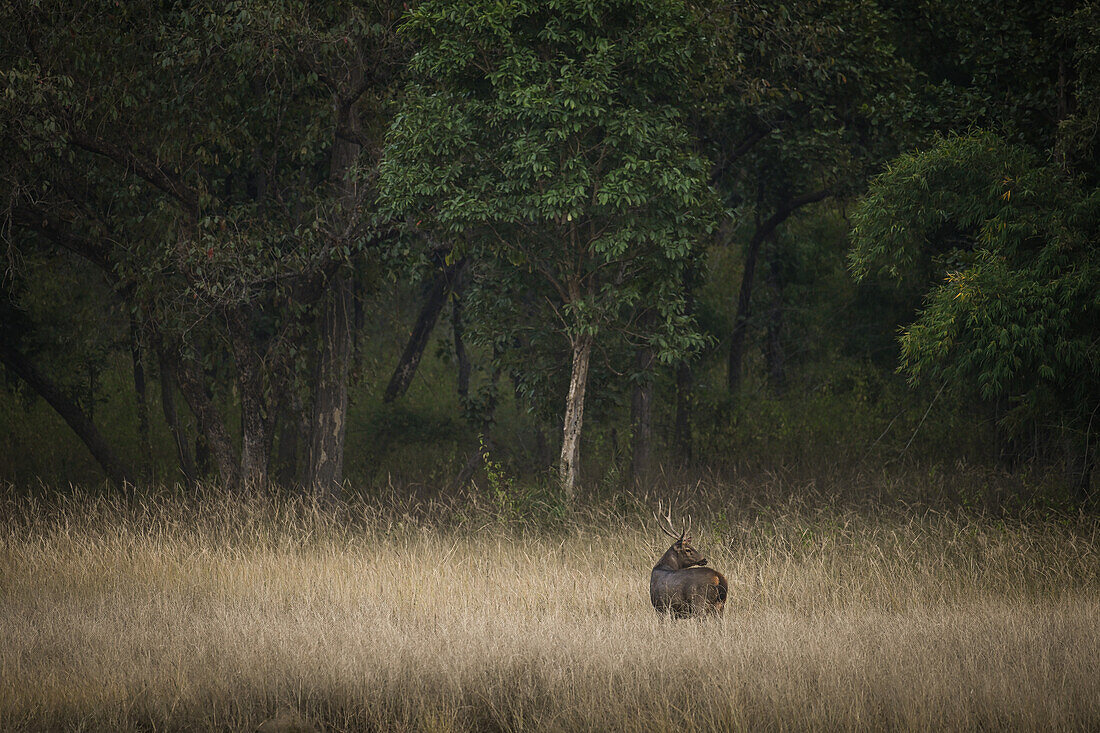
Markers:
{"x": 679, "y": 586}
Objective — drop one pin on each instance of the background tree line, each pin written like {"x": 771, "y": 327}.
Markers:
{"x": 257, "y": 241}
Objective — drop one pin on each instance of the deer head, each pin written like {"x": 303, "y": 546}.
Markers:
{"x": 682, "y": 554}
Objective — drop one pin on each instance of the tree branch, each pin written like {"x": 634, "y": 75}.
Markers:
{"x": 139, "y": 166}
{"x": 758, "y": 133}
{"x": 744, "y": 296}
{"x": 425, "y": 323}
{"x": 786, "y": 209}
{"x": 117, "y": 473}
{"x": 61, "y": 234}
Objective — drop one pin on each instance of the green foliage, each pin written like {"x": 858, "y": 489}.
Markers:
{"x": 189, "y": 153}
{"x": 187, "y": 181}
{"x": 996, "y": 65}
{"x": 502, "y": 487}
{"x": 798, "y": 97}
{"x": 1016, "y": 313}
{"x": 545, "y": 137}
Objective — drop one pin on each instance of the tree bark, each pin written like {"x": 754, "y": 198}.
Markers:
{"x": 288, "y": 426}
{"x": 641, "y": 417}
{"x": 569, "y": 468}
{"x": 1082, "y": 480}
{"x": 255, "y": 418}
{"x": 139, "y": 389}
{"x": 482, "y": 422}
{"x": 685, "y": 380}
{"x": 774, "y": 358}
{"x": 330, "y": 394}
{"x": 741, "y": 319}
{"x": 458, "y": 329}
{"x": 1081, "y": 465}
{"x": 217, "y": 439}
{"x": 116, "y": 472}
{"x": 168, "y": 386}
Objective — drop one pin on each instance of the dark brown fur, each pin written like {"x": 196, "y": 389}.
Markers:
{"x": 681, "y": 587}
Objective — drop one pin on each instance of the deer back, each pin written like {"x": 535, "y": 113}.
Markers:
{"x": 682, "y": 586}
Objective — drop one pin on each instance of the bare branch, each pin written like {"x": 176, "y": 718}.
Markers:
{"x": 140, "y": 166}
{"x": 61, "y": 234}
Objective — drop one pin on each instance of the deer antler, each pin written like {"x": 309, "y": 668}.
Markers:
{"x": 670, "y": 530}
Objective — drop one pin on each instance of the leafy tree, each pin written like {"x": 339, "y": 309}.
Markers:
{"x": 797, "y": 103}
{"x": 1017, "y": 313}
{"x": 213, "y": 162}
{"x": 1008, "y": 219}
{"x": 1006, "y": 66}
{"x": 547, "y": 137}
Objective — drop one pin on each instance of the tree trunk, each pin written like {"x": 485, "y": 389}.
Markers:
{"x": 211, "y": 425}
{"x": 425, "y": 323}
{"x": 744, "y": 296}
{"x": 681, "y": 438}
{"x": 458, "y": 329}
{"x": 741, "y": 320}
{"x": 139, "y": 389}
{"x": 117, "y": 473}
{"x": 685, "y": 378}
{"x": 641, "y": 417}
{"x": 168, "y": 386}
{"x": 483, "y": 424}
{"x": 204, "y": 463}
{"x": 330, "y": 393}
{"x": 255, "y": 443}
{"x": 569, "y": 469}
{"x": 288, "y": 425}
{"x": 1082, "y": 482}
{"x": 773, "y": 345}
{"x": 255, "y": 420}
{"x": 1081, "y": 464}
{"x": 544, "y": 453}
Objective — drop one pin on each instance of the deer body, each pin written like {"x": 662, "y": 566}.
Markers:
{"x": 679, "y": 584}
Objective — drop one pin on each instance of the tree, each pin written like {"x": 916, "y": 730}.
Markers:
{"x": 214, "y": 163}
{"x": 1016, "y": 314}
{"x": 1007, "y": 220}
{"x": 547, "y": 137}
{"x": 796, "y": 103}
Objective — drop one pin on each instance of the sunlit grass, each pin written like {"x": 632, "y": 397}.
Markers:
{"x": 217, "y": 612}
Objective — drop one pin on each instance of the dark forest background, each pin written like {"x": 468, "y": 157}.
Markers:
{"x": 579, "y": 245}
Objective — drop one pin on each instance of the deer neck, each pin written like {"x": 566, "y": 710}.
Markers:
{"x": 670, "y": 561}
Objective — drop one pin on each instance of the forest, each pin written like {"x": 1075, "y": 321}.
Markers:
{"x": 297, "y": 293}
{"x": 298, "y": 244}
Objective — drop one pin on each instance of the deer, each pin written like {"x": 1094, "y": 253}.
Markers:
{"x": 679, "y": 585}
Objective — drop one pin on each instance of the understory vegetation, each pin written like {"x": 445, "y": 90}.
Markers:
{"x": 170, "y": 612}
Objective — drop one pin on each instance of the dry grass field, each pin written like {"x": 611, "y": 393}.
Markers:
{"x": 259, "y": 613}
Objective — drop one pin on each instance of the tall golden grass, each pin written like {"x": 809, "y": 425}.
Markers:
{"x": 264, "y": 613}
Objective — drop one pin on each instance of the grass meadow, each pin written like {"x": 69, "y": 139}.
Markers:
{"x": 168, "y": 612}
